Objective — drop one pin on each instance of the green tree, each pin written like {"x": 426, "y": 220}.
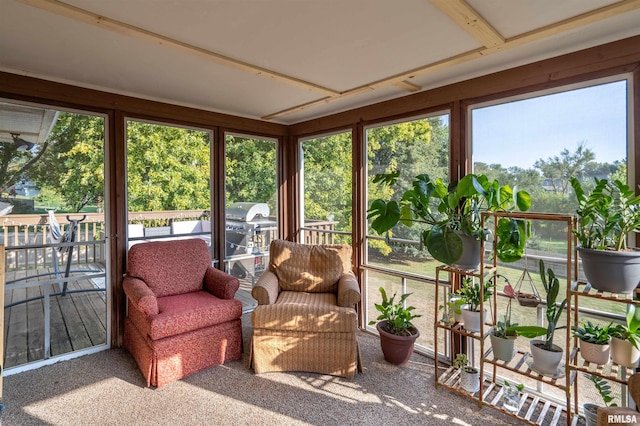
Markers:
{"x": 411, "y": 148}
{"x": 167, "y": 168}
{"x": 328, "y": 179}
{"x": 72, "y": 161}
{"x": 250, "y": 170}
{"x": 559, "y": 169}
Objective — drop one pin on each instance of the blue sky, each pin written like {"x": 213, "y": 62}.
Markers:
{"x": 519, "y": 133}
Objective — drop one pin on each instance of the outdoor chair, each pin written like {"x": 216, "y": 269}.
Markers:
{"x": 182, "y": 316}
{"x": 306, "y": 318}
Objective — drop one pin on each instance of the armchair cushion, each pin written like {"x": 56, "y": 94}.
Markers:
{"x": 308, "y": 312}
{"x": 309, "y": 268}
{"x": 183, "y": 313}
{"x": 170, "y": 267}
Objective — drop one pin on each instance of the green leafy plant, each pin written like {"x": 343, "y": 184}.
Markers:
{"x": 630, "y": 331}
{"x": 452, "y": 208}
{"x": 593, "y": 333}
{"x": 461, "y": 361}
{"x": 398, "y": 317}
{"x": 470, "y": 293}
{"x": 504, "y": 328}
{"x": 603, "y": 388}
{"x": 554, "y": 311}
{"x": 519, "y": 386}
{"x": 607, "y": 215}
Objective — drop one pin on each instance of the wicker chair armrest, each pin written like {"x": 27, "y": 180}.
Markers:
{"x": 266, "y": 289}
{"x": 140, "y": 295}
{"x": 348, "y": 291}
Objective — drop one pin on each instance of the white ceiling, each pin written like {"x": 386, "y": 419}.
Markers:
{"x": 293, "y": 60}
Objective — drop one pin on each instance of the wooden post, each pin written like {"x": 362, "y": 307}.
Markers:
{"x": 1, "y": 316}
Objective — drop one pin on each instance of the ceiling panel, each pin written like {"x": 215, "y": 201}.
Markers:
{"x": 280, "y": 55}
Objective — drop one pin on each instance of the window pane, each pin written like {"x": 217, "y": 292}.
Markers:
{"x": 326, "y": 182}
{"x": 251, "y": 207}
{"x": 413, "y": 148}
{"x": 168, "y": 173}
{"x": 52, "y": 172}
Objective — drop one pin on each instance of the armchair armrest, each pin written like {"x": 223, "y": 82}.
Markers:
{"x": 220, "y": 284}
{"x": 140, "y": 295}
{"x": 266, "y": 290}
{"x": 348, "y": 291}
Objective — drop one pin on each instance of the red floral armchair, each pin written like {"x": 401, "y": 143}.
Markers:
{"x": 182, "y": 316}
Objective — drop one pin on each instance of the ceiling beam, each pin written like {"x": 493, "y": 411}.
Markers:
{"x": 87, "y": 17}
{"x": 469, "y": 20}
{"x": 531, "y": 36}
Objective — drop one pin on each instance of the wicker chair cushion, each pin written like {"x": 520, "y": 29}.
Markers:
{"x": 312, "y": 312}
{"x": 309, "y": 268}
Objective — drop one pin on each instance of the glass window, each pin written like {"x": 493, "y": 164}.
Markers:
{"x": 412, "y": 148}
{"x": 52, "y": 200}
{"x": 326, "y": 182}
{"x": 251, "y": 207}
{"x": 168, "y": 182}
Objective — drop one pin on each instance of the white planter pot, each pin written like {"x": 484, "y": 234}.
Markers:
{"x": 473, "y": 319}
{"x": 591, "y": 414}
{"x": 470, "y": 381}
{"x": 503, "y": 347}
{"x": 591, "y": 352}
{"x": 624, "y": 353}
{"x": 545, "y": 362}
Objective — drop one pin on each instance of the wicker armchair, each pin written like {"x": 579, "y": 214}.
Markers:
{"x": 182, "y": 316}
{"x": 306, "y": 318}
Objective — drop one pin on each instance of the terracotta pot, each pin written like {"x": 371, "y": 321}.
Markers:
{"x": 544, "y": 361}
{"x": 591, "y": 352}
{"x": 396, "y": 349}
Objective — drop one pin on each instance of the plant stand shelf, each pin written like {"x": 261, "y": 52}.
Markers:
{"x": 533, "y": 409}
{"x": 520, "y": 365}
{"x": 584, "y": 289}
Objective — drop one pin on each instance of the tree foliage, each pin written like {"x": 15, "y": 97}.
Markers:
{"x": 250, "y": 170}
{"x": 72, "y": 161}
{"x": 328, "y": 179}
{"x": 167, "y": 168}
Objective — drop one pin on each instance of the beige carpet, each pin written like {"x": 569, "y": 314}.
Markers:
{"x": 107, "y": 389}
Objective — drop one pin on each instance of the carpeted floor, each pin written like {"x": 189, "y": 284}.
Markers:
{"x": 107, "y": 389}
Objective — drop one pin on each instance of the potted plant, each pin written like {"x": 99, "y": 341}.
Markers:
{"x": 594, "y": 341}
{"x": 469, "y": 375}
{"x": 546, "y": 355}
{"x": 397, "y": 333}
{"x": 503, "y": 335}
{"x": 452, "y": 216}
{"x": 606, "y": 217}
{"x": 625, "y": 339}
{"x": 470, "y": 296}
{"x": 511, "y": 395}
{"x": 591, "y": 410}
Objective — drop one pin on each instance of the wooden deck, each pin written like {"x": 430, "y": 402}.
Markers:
{"x": 78, "y": 318}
